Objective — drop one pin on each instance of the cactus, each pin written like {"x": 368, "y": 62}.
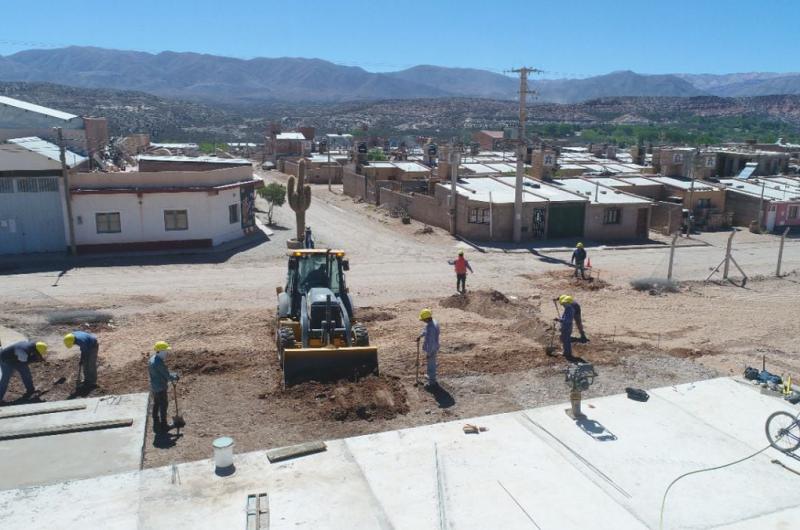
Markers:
{"x": 299, "y": 195}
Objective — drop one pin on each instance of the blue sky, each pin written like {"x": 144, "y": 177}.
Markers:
{"x": 566, "y": 39}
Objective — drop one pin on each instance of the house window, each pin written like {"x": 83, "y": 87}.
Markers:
{"x": 711, "y": 162}
{"x": 792, "y": 212}
{"x": 612, "y": 216}
{"x": 176, "y": 220}
{"x": 233, "y": 213}
{"x": 108, "y": 223}
{"x": 479, "y": 216}
{"x": 677, "y": 158}
{"x": 704, "y": 203}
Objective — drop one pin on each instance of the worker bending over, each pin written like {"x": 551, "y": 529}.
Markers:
{"x": 461, "y": 266}
{"x": 572, "y": 313}
{"x": 89, "y": 346}
{"x": 160, "y": 377}
{"x": 578, "y": 259}
{"x": 15, "y": 358}
{"x": 430, "y": 345}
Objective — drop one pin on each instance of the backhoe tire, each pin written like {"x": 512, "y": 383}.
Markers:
{"x": 360, "y": 335}
{"x": 285, "y": 340}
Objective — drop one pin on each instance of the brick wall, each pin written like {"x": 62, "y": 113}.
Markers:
{"x": 354, "y": 184}
{"x": 666, "y": 217}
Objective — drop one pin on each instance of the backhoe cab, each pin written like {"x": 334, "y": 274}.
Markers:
{"x": 318, "y": 337}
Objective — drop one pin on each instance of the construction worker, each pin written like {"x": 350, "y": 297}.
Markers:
{"x": 15, "y": 358}
{"x": 160, "y": 377}
{"x": 89, "y": 346}
{"x": 430, "y": 345}
{"x": 572, "y": 313}
{"x": 578, "y": 259}
{"x": 462, "y": 266}
{"x": 308, "y": 241}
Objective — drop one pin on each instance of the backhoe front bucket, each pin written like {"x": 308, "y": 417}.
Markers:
{"x": 328, "y": 364}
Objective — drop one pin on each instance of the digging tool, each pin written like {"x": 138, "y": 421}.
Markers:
{"x": 177, "y": 419}
{"x": 78, "y": 377}
{"x": 416, "y": 369}
{"x": 550, "y": 349}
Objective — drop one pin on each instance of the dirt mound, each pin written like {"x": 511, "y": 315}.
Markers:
{"x": 371, "y": 314}
{"x": 376, "y": 397}
{"x": 536, "y": 329}
{"x": 489, "y": 304}
{"x": 566, "y": 281}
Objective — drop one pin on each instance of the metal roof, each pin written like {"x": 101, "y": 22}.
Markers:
{"x": 684, "y": 184}
{"x": 202, "y": 159}
{"x": 598, "y": 194}
{"x": 48, "y": 150}
{"x": 174, "y": 145}
{"x": 290, "y": 136}
{"x": 14, "y": 158}
{"x": 771, "y": 191}
{"x": 38, "y": 109}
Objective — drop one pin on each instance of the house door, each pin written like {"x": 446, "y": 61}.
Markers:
{"x": 771, "y": 213}
{"x": 641, "y": 223}
{"x": 539, "y": 215}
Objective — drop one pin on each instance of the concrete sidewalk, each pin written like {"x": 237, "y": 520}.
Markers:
{"x": 531, "y": 469}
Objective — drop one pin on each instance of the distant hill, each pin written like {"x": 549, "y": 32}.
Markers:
{"x": 218, "y": 79}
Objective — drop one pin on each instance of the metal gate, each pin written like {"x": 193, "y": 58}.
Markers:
{"x": 31, "y": 216}
{"x": 566, "y": 220}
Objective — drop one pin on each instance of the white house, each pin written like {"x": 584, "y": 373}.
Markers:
{"x": 162, "y": 210}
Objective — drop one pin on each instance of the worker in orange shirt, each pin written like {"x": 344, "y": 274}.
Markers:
{"x": 462, "y": 266}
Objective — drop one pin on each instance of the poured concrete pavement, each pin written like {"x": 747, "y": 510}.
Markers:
{"x": 530, "y": 469}
{"x": 57, "y": 458}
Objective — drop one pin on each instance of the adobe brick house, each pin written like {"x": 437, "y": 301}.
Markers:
{"x": 488, "y": 140}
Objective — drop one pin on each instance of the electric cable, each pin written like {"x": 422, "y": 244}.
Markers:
{"x": 729, "y": 464}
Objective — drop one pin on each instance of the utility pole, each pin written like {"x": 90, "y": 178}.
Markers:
{"x": 328, "y": 149}
{"x": 455, "y": 159}
{"x": 67, "y": 194}
{"x": 521, "y": 148}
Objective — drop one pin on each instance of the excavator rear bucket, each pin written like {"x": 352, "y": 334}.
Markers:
{"x": 328, "y": 364}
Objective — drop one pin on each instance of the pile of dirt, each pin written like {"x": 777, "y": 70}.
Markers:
{"x": 567, "y": 282}
{"x": 490, "y": 304}
{"x": 376, "y": 397}
{"x": 371, "y": 314}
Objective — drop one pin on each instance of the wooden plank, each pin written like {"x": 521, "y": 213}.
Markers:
{"x": 65, "y": 429}
{"x": 65, "y": 408}
{"x": 295, "y": 451}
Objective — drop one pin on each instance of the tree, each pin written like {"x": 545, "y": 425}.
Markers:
{"x": 275, "y": 195}
{"x": 376, "y": 154}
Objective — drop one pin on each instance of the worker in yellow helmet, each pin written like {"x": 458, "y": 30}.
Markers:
{"x": 15, "y": 358}
{"x": 89, "y": 346}
{"x": 430, "y": 345}
{"x": 578, "y": 259}
{"x": 572, "y": 313}
{"x": 160, "y": 377}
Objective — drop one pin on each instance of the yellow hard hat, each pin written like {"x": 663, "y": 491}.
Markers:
{"x": 425, "y": 314}
{"x": 161, "y": 346}
{"x": 460, "y": 252}
{"x": 41, "y": 347}
{"x": 579, "y": 245}
{"x": 565, "y": 299}
{"x": 69, "y": 340}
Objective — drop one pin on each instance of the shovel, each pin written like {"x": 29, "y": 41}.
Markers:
{"x": 416, "y": 370}
{"x": 177, "y": 420}
{"x": 550, "y": 349}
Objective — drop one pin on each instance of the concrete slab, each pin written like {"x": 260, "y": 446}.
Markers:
{"x": 10, "y": 336}
{"x": 52, "y": 459}
{"x": 532, "y": 469}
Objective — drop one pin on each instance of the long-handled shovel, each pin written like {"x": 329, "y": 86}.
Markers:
{"x": 177, "y": 420}
{"x": 416, "y": 369}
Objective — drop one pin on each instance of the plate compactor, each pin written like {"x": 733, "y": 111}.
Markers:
{"x": 318, "y": 338}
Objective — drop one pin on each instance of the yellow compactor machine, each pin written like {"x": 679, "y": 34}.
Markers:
{"x": 318, "y": 337}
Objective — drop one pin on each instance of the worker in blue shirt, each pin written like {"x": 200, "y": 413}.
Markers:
{"x": 89, "y": 346}
{"x": 160, "y": 377}
{"x": 430, "y": 345}
{"x": 572, "y": 313}
{"x": 15, "y": 358}
{"x": 578, "y": 259}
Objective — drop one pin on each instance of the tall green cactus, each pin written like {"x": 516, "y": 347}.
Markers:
{"x": 299, "y": 195}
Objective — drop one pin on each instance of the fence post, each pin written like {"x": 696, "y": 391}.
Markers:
{"x": 780, "y": 251}
{"x": 672, "y": 254}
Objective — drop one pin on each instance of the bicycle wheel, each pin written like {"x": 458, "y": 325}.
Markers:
{"x": 783, "y": 431}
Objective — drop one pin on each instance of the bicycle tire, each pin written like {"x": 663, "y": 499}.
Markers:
{"x": 783, "y": 436}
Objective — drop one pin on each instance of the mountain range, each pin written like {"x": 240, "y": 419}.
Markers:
{"x": 229, "y": 80}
